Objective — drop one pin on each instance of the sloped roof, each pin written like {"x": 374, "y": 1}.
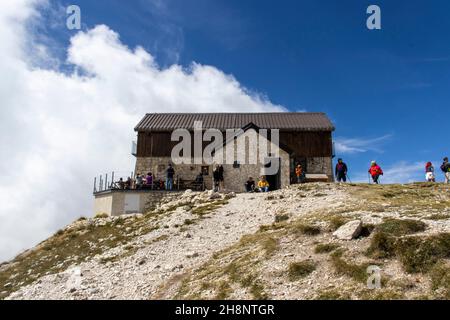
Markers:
{"x": 293, "y": 121}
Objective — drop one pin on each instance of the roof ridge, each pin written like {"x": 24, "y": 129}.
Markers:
{"x": 233, "y": 113}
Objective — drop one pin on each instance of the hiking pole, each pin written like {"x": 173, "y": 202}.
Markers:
{"x": 349, "y": 180}
{"x": 368, "y": 174}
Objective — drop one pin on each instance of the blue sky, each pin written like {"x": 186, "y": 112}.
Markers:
{"x": 386, "y": 90}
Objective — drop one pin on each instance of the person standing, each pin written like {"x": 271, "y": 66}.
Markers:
{"x": 216, "y": 178}
{"x": 170, "y": 173}
{"x": 139, "y": 181}
{"x": 429, "y": 172}
{"x": 341, "y": 171}
{"x": 221, "y": 178}
{"x": 445, "y": 167}
{"x": 375, "y": 172}
{"x": 299, "y": 173}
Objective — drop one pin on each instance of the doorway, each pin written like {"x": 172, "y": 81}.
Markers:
{"x": 274, "y": 180}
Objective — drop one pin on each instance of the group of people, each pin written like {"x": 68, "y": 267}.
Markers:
{"x": 148, "y": 181}
{"x": 141, "y": 182}
{"x": 375, "y": 171}
{"x": 262, "y": 185}
{"x": 341, "y": 173}
{"x": 430, "y": 173}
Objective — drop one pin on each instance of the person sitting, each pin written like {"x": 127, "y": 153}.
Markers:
{"x": 129, "y": 183}
{"x": 263, "y": 185}
{"x": 199, "y": 181}
{"x": 250, "y": 185}
{"x": 139, "y": 181}
{"x": 149, "y": 180}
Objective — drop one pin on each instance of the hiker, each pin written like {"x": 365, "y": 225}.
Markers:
{"x": 121, "y": 184}
{"x": 170, "y": 172}
{"x": 375, "y": 171}
{"x": 299, "y": 173}
{"x": 216, "y": 178}
{"x": 139, "y": 181}
{"x": 149, "y": 180}
{"x": 250, "y": 185}
{"x": 341, "y": 171}
{"x": 129, "y": 183}
{"x": 429, "y": 172}
{"x": 221, "y": 179}
{"x": 263, "y": 185}
{"x": 199, "y": 181}
{"x": 445, "y": 167}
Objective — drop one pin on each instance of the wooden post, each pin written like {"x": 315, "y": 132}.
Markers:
{"x": 112, "y": 182}
{"x": 95, "y": 184}
{"x": 106, "y": 182}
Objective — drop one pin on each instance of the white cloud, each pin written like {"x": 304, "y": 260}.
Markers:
{"x": 360, "y": 145}
{"x": 59, "y": 130}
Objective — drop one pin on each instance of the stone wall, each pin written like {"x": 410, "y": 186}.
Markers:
{"x": 321, "y": 165}
{"x": 112, "y": 202}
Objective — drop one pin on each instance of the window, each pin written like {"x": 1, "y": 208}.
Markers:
{"x": 236, "y": 165}
{"x": 205, "y": 170}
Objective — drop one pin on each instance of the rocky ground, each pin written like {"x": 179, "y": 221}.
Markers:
{"x": 312, "y": 241}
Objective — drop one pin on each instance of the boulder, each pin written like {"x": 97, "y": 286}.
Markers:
{"x": 215, "y": 196}
{"x": 349, "y": 231}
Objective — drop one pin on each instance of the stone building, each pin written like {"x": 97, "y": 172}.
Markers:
{"x": 304, "y": 138}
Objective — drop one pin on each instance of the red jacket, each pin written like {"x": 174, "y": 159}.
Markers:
{"x": 375, "y": 170}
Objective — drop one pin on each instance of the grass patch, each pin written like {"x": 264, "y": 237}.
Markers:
{"x": 438, "y": 217}
{"x": 401, "y": 226}
{"x": 101, "y": 216}
{"x": 382, "y": 245}
{"x": 337, "y": 221}
{"x": 383, "y": 294}
{"x": 69, "y": 247}
{"x": 420, "y": 254}
{"x": 188, "y": 222}
{"x": 325, "y": 248}
{"x": 209, "y": 207}
{"x": 332, "y": 294}
{"x": 270, "y": 245}
{"x": 306, "y": 229}
{"x": 417, "y": 254}
{"x": 223, "y": 290}
{"x": 281, "y": 217}
{"x": 440, "y": 279}
{"x": 358, "y": 272}
{"x": 298, "y": 270}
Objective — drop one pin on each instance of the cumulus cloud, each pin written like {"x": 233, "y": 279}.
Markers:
{"x": 58, "y": 130}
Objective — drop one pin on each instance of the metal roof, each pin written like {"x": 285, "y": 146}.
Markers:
{"x": 293, "y": 121}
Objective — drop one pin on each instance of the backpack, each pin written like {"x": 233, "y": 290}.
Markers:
{"x": 445, "y": 167}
